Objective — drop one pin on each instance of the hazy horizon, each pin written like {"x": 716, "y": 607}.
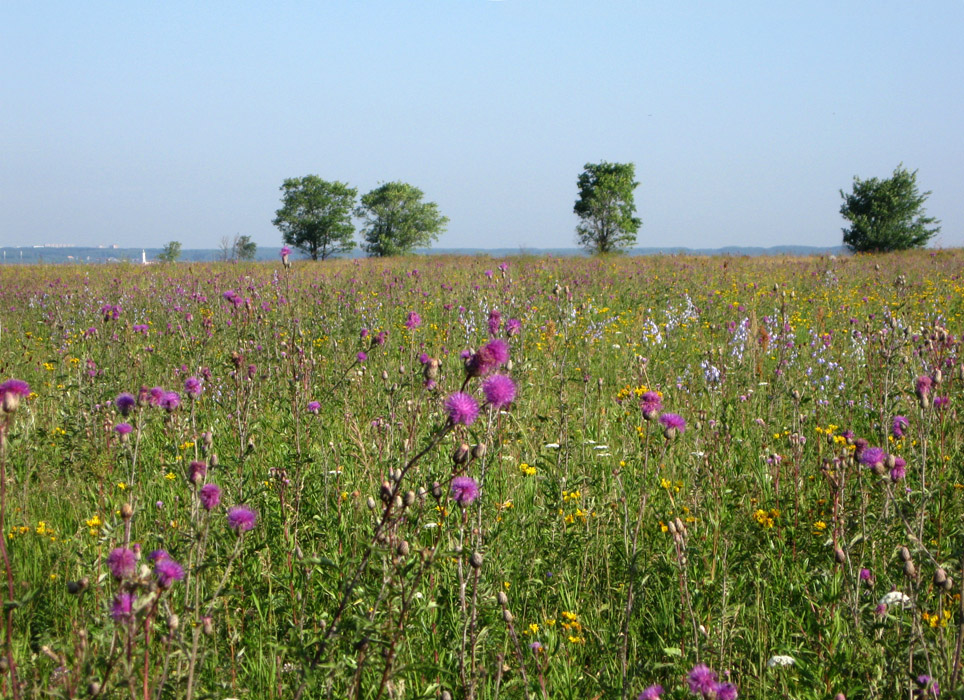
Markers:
{"x": 141, "y": 124}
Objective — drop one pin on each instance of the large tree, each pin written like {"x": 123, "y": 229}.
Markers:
{"x": 171, "y": 252}
{"x": 396, "y": 220}
{"x": 886, "y": 215}
{"x": 315, "y": 216}
{"x": 606, "y": 207}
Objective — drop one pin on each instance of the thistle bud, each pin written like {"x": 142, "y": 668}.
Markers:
{"x": 403, "y": 549}
{"x": 93, "y": 688}
{"x": 207, "y": 625}
{"x": 446, "y": 695}
{"x": 938, "y": 376}
{"x": 214, "y": 461}
{"x": 478, "y": 451}
{"x": 385, "y": 492}
{"x": 903, "y": 553}
{"x": 173, "y": 622}
{"x": 948, "y": 584}
{"x": 461, "y": 454}
{"x": 910, "y": 571}
{"x": 502, "y": 598}
{"x": 437, "y": 490}
{"x": 127, "y": 511}
{"x": 78, "y": 587}
{"x": 409, "y": 498}
{"x": 370, "y": 503}
{"x": 506, "y": 615}
{"x": 940, "y": 576}
{"x": 430, "y": 371}
{"x": 839, "y": 555}
{"x": 476, "y": 560}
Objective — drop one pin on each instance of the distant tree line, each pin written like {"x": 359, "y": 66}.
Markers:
{"x": 316, "y": 215}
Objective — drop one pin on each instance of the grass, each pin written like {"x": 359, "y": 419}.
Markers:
{"x": 604, "y": 554}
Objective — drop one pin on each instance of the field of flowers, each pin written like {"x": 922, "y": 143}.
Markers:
{"x": 658, "y": 477}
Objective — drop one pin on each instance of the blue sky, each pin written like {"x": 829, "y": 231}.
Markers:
{"x": 140, "y": 123}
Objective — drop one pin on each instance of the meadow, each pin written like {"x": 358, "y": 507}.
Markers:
{"x": 432, "y": 477}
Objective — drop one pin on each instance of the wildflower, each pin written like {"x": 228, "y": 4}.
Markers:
{"x": 927, "y": 687}
{"x": 192, "y": 387}
{"x": 702, "y": 680}
{"x": 780, "y": 660}
{"x": 725, "y": 691}
{"x": 461, "y": 408}
{"x": 158, "y": 555}
{"x": 512, "y": 327}
{"x": 898, "y": 426}
{"x": 464, "y": 490}
{"x": 210, "y": 496}
{"x": 941, "y": 401}
{"x": 167, "y": 572}
{"x": 899, "y": 470}
{"x": 922, "y": 386}
{"x": 536, "y": 646}
{"x": 122, "y": 563}
{"x": 125, "y": 403}
{"x": 156, "y": 395}
{"x": 361, "y": 356}
{"x": 653, "y": 692}
{"x": 872, "y": 457}
{"x": 170, "y": 401}
{"x": 499, "y": 390}
{"x": 241, "y": 518}
{"x": 313, "y": 407}
{"x": 651, "y": 404}
{"x": 413, "y": 321}
{"x": 896, "y": 598}
{"x": 11, "y": 391}
{"x": 495, "y": 322}
{"x": 672, "y": 425}
{"x": 866, "y": 575}
{"x": 285, "y": 252}
{"x": 123, "y": 607}
{"x": 197, "y": 471}
{"x": 488, "y": 358}
{"x": 123, "y": 429}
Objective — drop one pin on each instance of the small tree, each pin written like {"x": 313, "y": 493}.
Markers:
{"x": 396, "y": 220}
{"x": 886, "y": 215}
{"x": 315, "y": 216}
{"x": 606, "y": 207}
{"x": 171, "y": 252}
{"x": 244, "y": 248}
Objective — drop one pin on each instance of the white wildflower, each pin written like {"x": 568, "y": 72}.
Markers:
{"x": 896, "y": 598}
{"x": 780, "y": 660}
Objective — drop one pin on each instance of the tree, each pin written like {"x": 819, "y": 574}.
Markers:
{"x": 886, "y": 215}
{"x": 396, "y": 220}
{"x": 244, "y": 248}
{"x": 606, "y": 207}
{"x": 171, "y": 252}
{"x": 315, "y": 216}
{"x": 225, "y": 249}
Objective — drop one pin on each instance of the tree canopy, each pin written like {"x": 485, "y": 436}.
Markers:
{"x": 171, "y": 252}
{"x": 315, "y": 216}
{"x": 396, "y": 220}
{"x": 606, "y": 207}
{"x": 886, "y": 215}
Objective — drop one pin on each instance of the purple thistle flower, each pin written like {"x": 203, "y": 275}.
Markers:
{"x": 512, "y": 327}
{"x": 488, "y": 358}
{"x": 899, "y": 470}
{"x": 210, "y": 496}
{"x": 313, "y": 407}
{"x": 899, "y": 425}
{"x": 725, "y": 691}
{"x": 11, "y": 391}
{"x": 192, "y": 386}
{"x": 865, "y": 575}
{"x": 197, "y": 471}
{"x": 285, "y": 251}
{"x": 495, "y": 322}
{"x": 123, "y": 607}
{"x": 380, "y": 338}
{"x": 241, "y": 518}
{"x": 413, "y": 321}
{"x": 499, "y": 390}
{"x": 464, "y": 490}
{"x": 170, "y": 401}
{"x": 361, "y": 356}
{"x": 872, "y": 456}
{"x": 123, "y": 429}
{"x": 461, "y": 408}
{"x": 156, "y": 395}
{"x": 922, "y": 386}
{"x": 167, "y": 572}
{"x": 125, "y": 403}
{"x": 928, "y": 687}
{"x": 653, "y": 692}
{"x": 122, "y": 563}
{"x": 702, "y": 680}
{"x": 158, "y": 555}
{"x": 651, "y": 404}
{"x": 941, "y": 401}
{"x": 424, "y": 358}
{"x": 672, "y": 421}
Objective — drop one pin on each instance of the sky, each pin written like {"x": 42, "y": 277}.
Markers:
{"x": 136, "y": 124}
